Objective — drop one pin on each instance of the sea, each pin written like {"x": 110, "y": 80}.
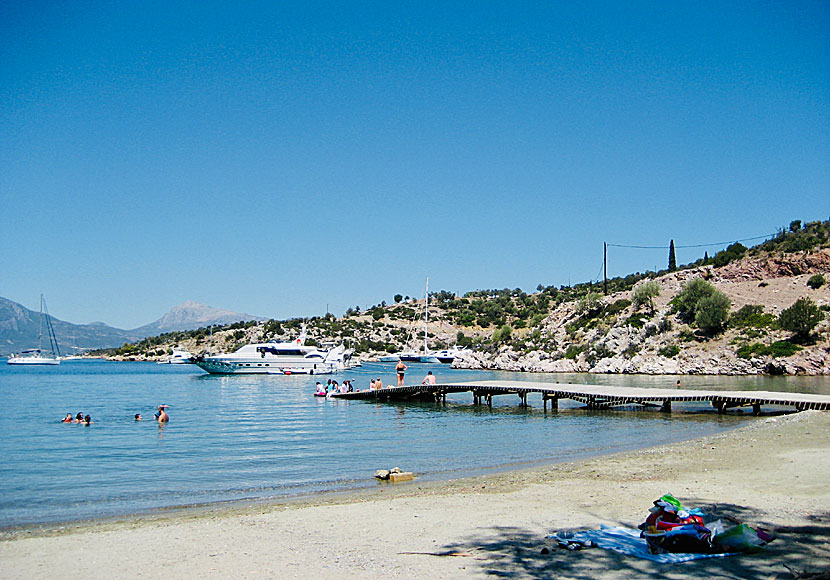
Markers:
{"x": 266, "y": 437}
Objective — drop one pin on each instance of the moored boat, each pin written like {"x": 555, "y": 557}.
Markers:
{"x": 179, "y": 356}
{"x": 38, "y": 356}
{"x": 33, "y": 356}
{"x": 448, "y": 355}
{"x": 276, "y": 358}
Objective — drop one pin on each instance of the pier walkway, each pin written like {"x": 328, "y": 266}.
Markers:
{"x": 594, "y": 396}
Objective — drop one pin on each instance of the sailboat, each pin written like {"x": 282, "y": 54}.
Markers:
{"x": 37, "y": 356}
{"x": 427, "y": 356}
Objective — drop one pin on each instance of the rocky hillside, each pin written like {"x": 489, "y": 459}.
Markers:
{"x": 577, "y": 329}
{"x": 620, "y": 338}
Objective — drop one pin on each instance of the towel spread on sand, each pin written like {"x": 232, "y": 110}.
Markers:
{"x": 628, "y": 541}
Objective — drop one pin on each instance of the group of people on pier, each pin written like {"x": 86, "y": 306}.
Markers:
{"x": 333, "y": 387}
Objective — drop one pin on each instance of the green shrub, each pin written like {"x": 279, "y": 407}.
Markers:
{"x": 712, "y": 312}
{"x": 502, "y": 334}
{"x": 617, "y": 307}
{"x": 778, "y": 349}
{"x": 693, "y": 291}
{"x": 573, "y": 351}
{"x": 816, "y": 282}
{"x": 801, "y": 318}
{"x": 635, "y": 320}
{"x": 645, "y": 293}
{"x": 669, "y": 351}
{"x": 686, "y": 335}
{"x": 599, "y": 353}
{"x": 590, "y": 304}
{"x": 700, "y": 302}
{"x": 733, "y": 252}
{"x": 751, "y": 316}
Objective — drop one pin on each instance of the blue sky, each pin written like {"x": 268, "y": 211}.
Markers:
{"x": 276, "y": 158}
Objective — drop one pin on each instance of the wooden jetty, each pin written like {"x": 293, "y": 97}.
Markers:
{"x": 594, "y": 396}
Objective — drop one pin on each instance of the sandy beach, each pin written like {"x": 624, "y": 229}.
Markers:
{"x": 774, "y": 471}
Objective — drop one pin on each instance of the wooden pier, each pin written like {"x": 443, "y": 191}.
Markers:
{"x": 594, "y": 396}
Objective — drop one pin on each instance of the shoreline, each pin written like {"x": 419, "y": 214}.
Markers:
{"x": 382, "y": 490}
{"x": 773, "y": 471}
{"x": 366, "y": 487}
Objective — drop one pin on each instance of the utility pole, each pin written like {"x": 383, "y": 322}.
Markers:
{"x": 605, "y": 267}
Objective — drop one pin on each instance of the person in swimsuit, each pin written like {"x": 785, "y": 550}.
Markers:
{"x": 162, "y": 414}
{"x": 87, "y": 420}
{"x": 400, "y": 368}
{"x": 68, "y": 418}
{"x": 79, "y": 418}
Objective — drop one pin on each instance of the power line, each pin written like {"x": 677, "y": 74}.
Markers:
{"x": 691, "y": 246}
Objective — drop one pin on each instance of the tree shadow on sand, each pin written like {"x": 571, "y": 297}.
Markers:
{"x": 512, "y": 552}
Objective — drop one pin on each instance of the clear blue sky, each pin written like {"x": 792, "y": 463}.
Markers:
{"x": 276, "y": 158}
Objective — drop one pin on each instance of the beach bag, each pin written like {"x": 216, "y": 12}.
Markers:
{"x": 740, "y": 538}
{"x": 692, "y": 538}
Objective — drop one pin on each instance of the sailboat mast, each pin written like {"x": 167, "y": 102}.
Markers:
{"x": 426, "y": 321}
{"x": 40, "y": 332}
{"x": 53, "y": 339}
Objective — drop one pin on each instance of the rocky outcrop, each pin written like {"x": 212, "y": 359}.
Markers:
{"x": 664, "y": 345}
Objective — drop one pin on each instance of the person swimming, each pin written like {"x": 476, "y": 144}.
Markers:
{"x": 79, "y": 418}
{"x": 162, "y": 416}
{"x": 87, "y": 420}
{"x": 138, "y": 416}
{"x": 67, "y": 419}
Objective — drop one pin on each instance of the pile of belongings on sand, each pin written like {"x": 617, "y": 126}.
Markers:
{"x": 672, "y": 533}
{"x": 670, "y": 527}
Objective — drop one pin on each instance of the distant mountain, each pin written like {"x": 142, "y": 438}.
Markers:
{"x": 19, "y": 327}
{"x": 190, "y": 316}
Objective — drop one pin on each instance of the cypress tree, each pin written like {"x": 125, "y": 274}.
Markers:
{"x": 672, "y": 259}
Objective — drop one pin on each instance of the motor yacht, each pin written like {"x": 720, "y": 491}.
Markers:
{"x": 275, "y": 358}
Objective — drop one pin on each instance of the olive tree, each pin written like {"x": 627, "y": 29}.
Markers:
{"x": 700, "y": 303}
{"x": 645, "y": 293}
{"x": 712, "y": 312}
{"x": 801, "y": 318}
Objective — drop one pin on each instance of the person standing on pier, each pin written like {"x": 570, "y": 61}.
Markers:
{"x": 400, "y": 368}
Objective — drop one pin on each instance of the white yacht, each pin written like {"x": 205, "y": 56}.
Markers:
{"x": 448, "y": 355}
{"x": 180, "y": 356}
{"x": 37, "y": 356}
{"x": 275, "y": 358}
{"x": 33, "y": 356}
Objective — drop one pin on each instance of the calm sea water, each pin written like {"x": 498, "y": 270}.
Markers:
{"x": 258, "y": 437}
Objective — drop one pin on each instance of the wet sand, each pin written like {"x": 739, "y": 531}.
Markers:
{"x": 774, "y": 472}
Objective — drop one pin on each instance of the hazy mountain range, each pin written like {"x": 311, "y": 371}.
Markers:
{"x": 20, "y": 327}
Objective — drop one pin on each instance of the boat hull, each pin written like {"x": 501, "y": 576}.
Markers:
{"x": 227, "y": 366}
{"x": 19, "y": 360}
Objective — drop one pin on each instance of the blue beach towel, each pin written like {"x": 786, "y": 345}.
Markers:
{"x": 628, "y": 541}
